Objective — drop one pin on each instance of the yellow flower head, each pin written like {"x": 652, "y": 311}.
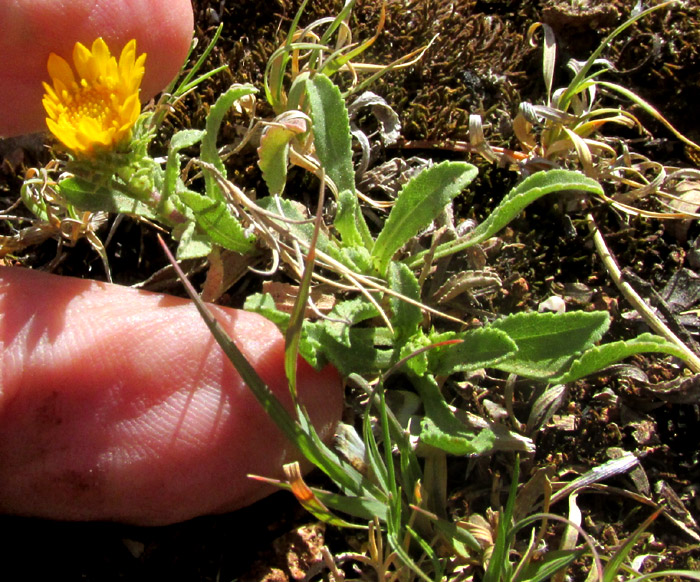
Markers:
{"x": 100, "y": 108}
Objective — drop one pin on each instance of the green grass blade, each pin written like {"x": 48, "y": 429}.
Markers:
{"x": 186, "y": 83}
{"x": 342, "y": 474}
{"x": 565, "y": 98}
{"x": 499, "y": 563}
{"x": 648, "y": 108}
{"x": 612, "y": 568}
{"x": 667, "y": 574}
{"x": 292, "y": 335}
{"x": 552, "y": 562}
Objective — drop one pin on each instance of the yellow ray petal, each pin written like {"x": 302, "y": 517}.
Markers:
{"x": 59, "y": 70}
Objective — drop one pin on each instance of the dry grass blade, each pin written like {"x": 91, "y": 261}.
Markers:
{"x": 549, "y": 56}
{"x": 570, "y": 536}
{"x": 691, "y": 359}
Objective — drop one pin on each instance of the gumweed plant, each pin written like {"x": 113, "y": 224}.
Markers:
{"x": 376, "y": 326}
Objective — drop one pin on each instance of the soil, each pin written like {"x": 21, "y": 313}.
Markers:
{"x": 481, "y": 62}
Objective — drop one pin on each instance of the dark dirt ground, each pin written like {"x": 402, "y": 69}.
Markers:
{"x": 480, "y": 63}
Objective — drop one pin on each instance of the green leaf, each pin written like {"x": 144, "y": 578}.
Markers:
{"x": 214, "y": 218}
{"x": 417, "y": 205}
{"x": 273, "y": 152}
{"x": 668, "y": 574}
{"x": 450, "y": 435}
{"x": 301, "y": 228}
{"x": 348, "y": 349}
{"x": 181, "y": 140}
{"x": 333, "y": 143}
{"x": 500, "y": 567}
{"x": 36, "y": 205}
{"x": 406, "y": 317}
{"x": 349, "y": 221}
{"x": 441, "y": 429}
{"x": 331, "y": 127}
{"x": 311, "y": 346}
{"x": 478, "y": 348}
{"x": 462, "y": 542}
{"x": 549, "y": 564}
{"x": 529, "y": 190}
{"x": 382, "y": 472}
{"x": 344, "y": 315}
{"x": 614, "y": 567}
{"x": 565, "y": 98}
{"x": 87, "y": 196}
{"x": 264, "y": 304}
{"x": 356, "y": 258}
{"x": 362, "y": 507}
{"x": 547, "y": 342}
{"x": 600, "y": 357}
{"x": 210, "y": 153}
{"x": 359, "y": 354}
{"x": 193, "y": 244}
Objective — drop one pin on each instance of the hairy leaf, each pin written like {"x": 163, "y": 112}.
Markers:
{"x": 417, "y": 205}
{"x": 359, "y": 354}
{"x": 300, "y": 226}
{"x": 214, "y": 217}
{"x": 87, "y": 196}
{"x": 600, "y": 357}
{"x": 344, "y": 315}
{"x": 478, "y": 348}
{"x": 216, "y": 115}
{"x": 264, "y": 304}
{"x": 192, "y": 244}
{"x": 333, "y": 142}
{"x": 181, "y": 140}
{"x": 529, "y": 190}
{"x": 547, "y": 342}
{"x": 273, "y": 152}
{"x": 406, "y": 317}
{"x": 441, "y": 429}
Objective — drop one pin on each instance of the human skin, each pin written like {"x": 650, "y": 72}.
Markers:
{"x": 32, "y": 29}
{"x": 118, "y": 405}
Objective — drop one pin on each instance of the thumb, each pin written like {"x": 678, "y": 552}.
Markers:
{"x": 32, "y": 29}
{"x": 117, "y": 404}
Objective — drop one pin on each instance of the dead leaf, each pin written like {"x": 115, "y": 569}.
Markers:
{"x": 285, "y": 296}
{"x": 688, "y": 201}
{"x": 677, "y": 391}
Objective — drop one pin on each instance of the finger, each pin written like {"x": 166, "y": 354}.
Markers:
{"x": 32, "y": 29}
{"x": 117, "y": 404}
